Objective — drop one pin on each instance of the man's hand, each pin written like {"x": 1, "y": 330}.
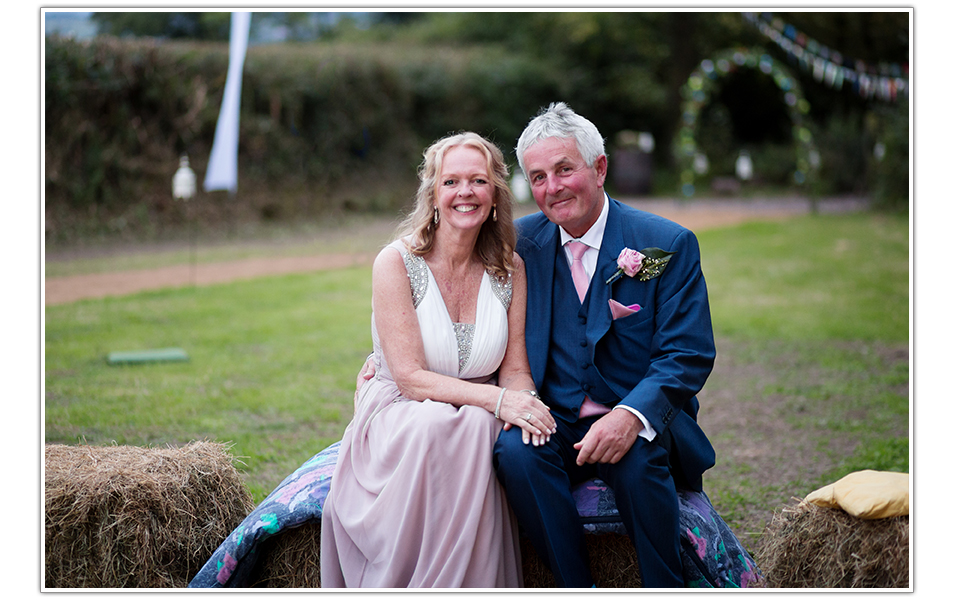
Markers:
{"x": 609, "y": 438}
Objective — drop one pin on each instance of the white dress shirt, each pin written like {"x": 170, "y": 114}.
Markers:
{"x": 593, "y": 238}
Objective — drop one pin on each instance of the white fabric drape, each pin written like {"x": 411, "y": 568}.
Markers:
{"x": 222, "y": 172}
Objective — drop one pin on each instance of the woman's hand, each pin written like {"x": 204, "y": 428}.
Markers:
{"x": 366, "y": 373}
{"x": 528, "y": 413}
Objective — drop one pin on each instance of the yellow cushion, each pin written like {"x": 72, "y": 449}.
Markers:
{"x": 866, "y": 494}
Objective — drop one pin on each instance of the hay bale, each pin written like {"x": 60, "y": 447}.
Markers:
{"x": 123, "y": 516}
{"x": 807, "y": 546}
{"x": 612, "y": 562}
{"x": 291, "y": 560}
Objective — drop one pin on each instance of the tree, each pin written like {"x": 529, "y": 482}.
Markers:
{"x": 189, "y": 25}
{"x": 622, "y": 70}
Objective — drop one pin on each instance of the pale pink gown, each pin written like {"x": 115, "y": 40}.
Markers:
{"x": 414, "y": 500}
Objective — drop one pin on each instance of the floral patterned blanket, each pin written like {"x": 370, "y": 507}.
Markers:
{"x": 712, "y": 556}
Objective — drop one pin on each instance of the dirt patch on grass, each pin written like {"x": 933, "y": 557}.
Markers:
{"x": 60, "y": 290}
{"x": 781, "y": 427}
{"x": 368, "y": 237}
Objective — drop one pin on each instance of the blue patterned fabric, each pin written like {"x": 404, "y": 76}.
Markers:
{"x": 712, "y": 556}
{"x": 297, "y": 500}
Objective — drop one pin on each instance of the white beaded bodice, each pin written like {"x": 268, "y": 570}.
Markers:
{"x": 420, "y": 277}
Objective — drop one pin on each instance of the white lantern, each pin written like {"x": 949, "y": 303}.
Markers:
{"x": 183, "y": 182}
{"x": 520, "y": 186}
{"x": 700, "y": 163}
{"x": 646, "y": 143}
{"x": 879, "y": 151}
{"x": 743, "y": 166}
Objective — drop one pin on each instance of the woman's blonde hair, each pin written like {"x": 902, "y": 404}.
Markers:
{"x": 497, "y": 239}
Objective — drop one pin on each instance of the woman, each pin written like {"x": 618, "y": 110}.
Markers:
{"x": 414, "y": 501}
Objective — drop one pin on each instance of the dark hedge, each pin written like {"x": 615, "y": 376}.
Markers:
{"x": 330, "y": 128}
{"x": 323, "y": 128}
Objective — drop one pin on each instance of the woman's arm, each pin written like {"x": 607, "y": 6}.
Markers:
{"x": 515, "y": 368}
{"x": 403, "y": 347}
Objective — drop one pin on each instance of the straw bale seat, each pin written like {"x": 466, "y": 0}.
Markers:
{"x": 809, "y": 546}
{"x": 130, "y": 517}
{"x": 278, "y": 544}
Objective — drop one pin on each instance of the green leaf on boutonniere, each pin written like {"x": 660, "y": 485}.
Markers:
{"x": 654, "y": 264}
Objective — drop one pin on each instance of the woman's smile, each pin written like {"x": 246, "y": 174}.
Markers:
{"x": 465, "y": 190}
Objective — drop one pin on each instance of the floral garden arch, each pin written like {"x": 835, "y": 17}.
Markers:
{"x": 696, "y": 94}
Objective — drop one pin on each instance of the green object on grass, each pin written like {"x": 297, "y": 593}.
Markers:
{"x": 147, "y": 356}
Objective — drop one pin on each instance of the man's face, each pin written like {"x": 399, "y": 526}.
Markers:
{"x": 568, "y": 192}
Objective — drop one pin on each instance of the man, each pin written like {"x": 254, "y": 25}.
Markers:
{"x": 619, "y": 362}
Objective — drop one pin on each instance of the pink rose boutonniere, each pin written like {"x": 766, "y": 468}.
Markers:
{"x": 646, "y": 264}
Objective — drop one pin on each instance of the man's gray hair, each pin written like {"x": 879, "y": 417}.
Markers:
{"x": 559, "y": 120}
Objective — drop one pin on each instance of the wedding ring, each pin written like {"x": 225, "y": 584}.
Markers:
{"x": 529, "y": 416}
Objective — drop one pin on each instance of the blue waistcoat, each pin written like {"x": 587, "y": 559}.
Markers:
{"x": 566, "y": 382}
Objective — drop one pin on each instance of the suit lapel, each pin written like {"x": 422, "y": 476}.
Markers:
{"x": 539, "y": 257}
{"x": 598, "y": 317}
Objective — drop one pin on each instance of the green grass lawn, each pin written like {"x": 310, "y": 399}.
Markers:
{"x": 821, "y": 278}
{"x": 803, "y": 310}
{"x": 811, "y": 319}
{"x": 272, "y": 368}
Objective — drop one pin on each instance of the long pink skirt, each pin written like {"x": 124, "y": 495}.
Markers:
{"x": 414, "y": 500}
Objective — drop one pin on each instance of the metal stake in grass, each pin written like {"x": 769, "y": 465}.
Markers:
{"x": 183, "y": 188}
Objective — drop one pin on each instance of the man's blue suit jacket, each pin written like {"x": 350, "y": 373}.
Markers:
{"x": 655, "y": 360}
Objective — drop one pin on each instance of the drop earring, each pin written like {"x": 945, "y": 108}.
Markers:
{"x": 494, "y": 216}
{"x": 437, "y": 216}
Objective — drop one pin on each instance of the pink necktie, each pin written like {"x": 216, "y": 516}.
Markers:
{"x": 580, "y": 280}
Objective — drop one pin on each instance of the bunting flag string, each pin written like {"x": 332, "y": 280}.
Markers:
{"x": 885, "y": 81}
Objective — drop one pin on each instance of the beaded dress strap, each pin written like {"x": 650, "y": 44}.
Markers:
{"x": 503, "y": 288}
{"x": 417, "y": 273}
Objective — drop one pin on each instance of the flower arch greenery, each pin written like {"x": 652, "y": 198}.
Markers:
{"x": 696, "y": 94}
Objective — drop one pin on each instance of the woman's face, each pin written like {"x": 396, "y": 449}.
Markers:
{"x": 465, "y": 192}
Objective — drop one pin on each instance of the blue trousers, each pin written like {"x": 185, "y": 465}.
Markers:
{"x": 538, "y": 479}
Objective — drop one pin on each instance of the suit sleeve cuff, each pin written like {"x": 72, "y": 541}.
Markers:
{"x": 647, "y": 431}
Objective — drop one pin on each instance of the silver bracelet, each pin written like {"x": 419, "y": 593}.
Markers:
{"x": 499, "y": 400}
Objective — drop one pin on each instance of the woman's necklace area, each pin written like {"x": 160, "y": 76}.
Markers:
{"x": 459, "y": 288}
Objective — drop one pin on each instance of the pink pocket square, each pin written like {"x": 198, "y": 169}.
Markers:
{"x": 619, "y": 311}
